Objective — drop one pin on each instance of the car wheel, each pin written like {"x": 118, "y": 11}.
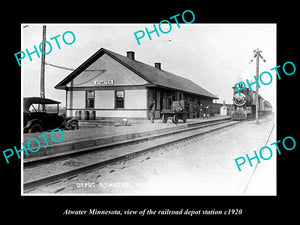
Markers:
{"x": 175, "y": 119}
{"x": 36, "y": 128}
{"x": 74, "y": 126}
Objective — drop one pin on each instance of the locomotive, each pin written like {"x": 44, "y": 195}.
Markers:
{"x": 245, "y": 105}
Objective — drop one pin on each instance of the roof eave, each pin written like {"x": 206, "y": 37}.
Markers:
{"x": 60, "y": 87}
{"x": 165, "y": 87}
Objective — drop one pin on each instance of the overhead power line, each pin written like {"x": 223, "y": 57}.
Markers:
{"x": 71, "y": 69}
{"x": 92, "y": 78}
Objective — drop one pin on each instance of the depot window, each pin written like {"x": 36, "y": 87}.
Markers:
{"x": 90, "y": 99}
{"x": 119, "y": 99}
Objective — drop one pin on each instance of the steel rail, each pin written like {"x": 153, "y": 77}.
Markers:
{"x": 31, "y": 162}
{"x": 27, "y": 186}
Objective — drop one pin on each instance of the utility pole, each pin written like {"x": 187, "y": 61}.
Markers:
{"x": 42, "y": 84}
{"x": 257, "y": 55}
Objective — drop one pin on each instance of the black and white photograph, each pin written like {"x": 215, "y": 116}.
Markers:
{"x": 176, "y": 108}
{"x": 142, "y": 111}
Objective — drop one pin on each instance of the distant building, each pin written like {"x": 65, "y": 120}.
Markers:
{"x": 113, "y": 85}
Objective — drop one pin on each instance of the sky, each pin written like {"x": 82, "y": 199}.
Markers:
{"x": 214, "y": 56}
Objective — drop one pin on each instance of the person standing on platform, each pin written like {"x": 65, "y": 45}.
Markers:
{"x": 152, "y": 111}
{"x": 208, "y": 111}
{"x": 204, "y": 111}
{"x": 201, "y": 111}
{"x": 198, "y": 111}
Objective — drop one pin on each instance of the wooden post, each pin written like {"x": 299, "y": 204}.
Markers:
{"x": 256, "y": 94}
{"x": 257, "y": 54}
{"x": 42, "y": 84}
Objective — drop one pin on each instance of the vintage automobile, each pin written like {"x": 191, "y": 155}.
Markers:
{"x": 42, "y": 114}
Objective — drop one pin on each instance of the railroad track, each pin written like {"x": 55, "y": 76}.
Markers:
{"x": 102, "y": 156}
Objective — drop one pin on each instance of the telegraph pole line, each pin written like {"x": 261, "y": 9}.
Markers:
{"x": 42, "y": 81}
{"x": 257, "y": 55}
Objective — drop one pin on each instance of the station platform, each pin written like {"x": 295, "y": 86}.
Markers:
{"x": 94, "y": 136}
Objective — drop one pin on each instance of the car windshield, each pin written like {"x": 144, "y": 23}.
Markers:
{"x": 33, "y": 108}
{"x": 49, "y": 108}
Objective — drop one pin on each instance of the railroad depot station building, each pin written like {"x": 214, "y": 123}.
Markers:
{"x": 111, "y": 85}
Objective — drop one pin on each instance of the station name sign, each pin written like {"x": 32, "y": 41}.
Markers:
{"x": 103, "y": 82}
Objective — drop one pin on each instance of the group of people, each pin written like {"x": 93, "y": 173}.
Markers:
{"x": 195, "y": 110}
{"x": 198, "y": 111}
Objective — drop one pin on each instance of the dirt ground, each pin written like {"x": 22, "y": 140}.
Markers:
{"x": 200, "y": 166}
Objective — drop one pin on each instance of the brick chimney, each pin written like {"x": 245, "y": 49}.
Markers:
{"x": 130, "y": 55}
{"x": 157, "y": 65}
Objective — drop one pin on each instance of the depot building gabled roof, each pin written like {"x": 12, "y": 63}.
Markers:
{"x": 154, "y": 76}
